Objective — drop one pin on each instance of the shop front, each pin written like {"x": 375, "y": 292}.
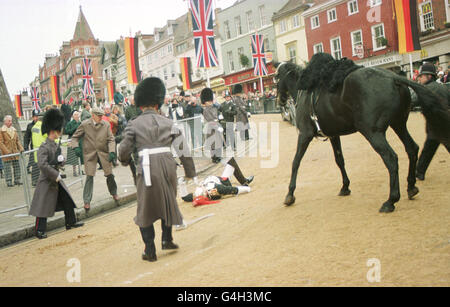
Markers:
{"x": 250, "y": 82}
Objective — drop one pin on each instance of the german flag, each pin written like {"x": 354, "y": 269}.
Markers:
{"x": 132, "y": 57}
{"x": 18, "y": 104}
{"x": 54, "y": 85}
{"x": 111, "y": 85}
{"x": 186, "y": 73}
{"x": 408, "y": 33}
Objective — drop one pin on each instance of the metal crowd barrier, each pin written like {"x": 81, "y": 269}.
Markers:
{"x": 19, "y": 175}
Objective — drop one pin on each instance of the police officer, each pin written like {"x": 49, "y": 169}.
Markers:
{"x": 36, "y": 140}
{"x": 228, "y": 110}
{"x": 427, "y": 76}
{"x": 152, "y": 136}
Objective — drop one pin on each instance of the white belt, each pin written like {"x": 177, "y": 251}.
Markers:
{"x": 145, "y": 154}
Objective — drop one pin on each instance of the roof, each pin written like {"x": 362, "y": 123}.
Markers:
{"x": 292, "y": 6}
{"x": 82, "y": 29}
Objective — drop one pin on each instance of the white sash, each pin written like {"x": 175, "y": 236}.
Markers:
{"x": 145, "y": 154}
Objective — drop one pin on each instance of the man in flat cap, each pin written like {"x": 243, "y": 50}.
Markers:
{"x": 51, "y": 193}
{"x": 427, "y": 76}
{"x": 152, "y": 136}
{"x": 98, "y": 145}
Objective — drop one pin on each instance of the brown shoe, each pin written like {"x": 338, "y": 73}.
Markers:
{"x": 87, "y": 207}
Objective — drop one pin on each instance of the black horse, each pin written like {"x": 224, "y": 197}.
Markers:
{"x": 346, "y": 98}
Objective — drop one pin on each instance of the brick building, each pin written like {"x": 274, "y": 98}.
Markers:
{"x": 362, "y": 30}
{"x": 68, "y": 65}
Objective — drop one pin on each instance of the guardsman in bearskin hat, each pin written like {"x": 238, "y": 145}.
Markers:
{"x": 242, "y": 114}
{"x": 152, "y": 136}
{"x": 213, "y": 188}
{"x": 427, "y": 76}
{"x": 214, "y": 137}
{"x": 228, "y": 110}
{"x": 51, "y": 193}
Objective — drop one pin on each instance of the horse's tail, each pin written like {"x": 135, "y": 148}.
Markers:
{"x": 434, "y": 108}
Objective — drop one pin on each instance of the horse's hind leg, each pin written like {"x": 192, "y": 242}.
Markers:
{"x": 390, "y": 159}
{"x": 339, "y": 157}
{"x": 302, "y": 145}
{"x": 412, "y": 149}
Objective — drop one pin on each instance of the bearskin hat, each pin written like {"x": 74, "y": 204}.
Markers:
{"x": 53, "y": 120}
{"x": 150, "y": 91}
{"x": 206, "y": 95}
{"x": 237, "y": 89}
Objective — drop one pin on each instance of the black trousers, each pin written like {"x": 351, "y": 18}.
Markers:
{"x": 429, "y": 149}
{"x": 148, "y": 236}
{"x": 69, "y": 217}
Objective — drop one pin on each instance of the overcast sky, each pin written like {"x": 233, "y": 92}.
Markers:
{"x": 30, "y": 29}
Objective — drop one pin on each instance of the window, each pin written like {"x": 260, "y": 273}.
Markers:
{"x": 374, "y": 2}
{"x": 426, "y": 16}
{"x": 262, "y": 15}
{"x": 230, "y": 60}
{"x": 78, "y": 69}
{"x": 318, "y": 48}
{"x": 238, "y": 24}
{"x": 315, "y": 22}
{"x": 356, "y": 37}
{"x": 296, "y": 21}
{"x": 172, "y": 69}
{"x": 87, "y": 51}
{"x": 336, "y": 51}
{"x": 169, "y": 49}
{"x": 165, "y": 74}
{"x": 227, "y": 30}
{"x": 77, "y": 52}
{"x": 266, "y": 45}
{"x": 283, "y": 27}
{"x": 240, "y": 52}
{"x": 378, "y": 39}
{"x": 80, "y": 82}
{"x": 157, "y": 37}
{"x": 292, "y": 52}
{"x": 170, "y": 30}
{"x": 332, "y": 15}
{"x": 352, "y": 7}
{"x": 250, "y": 22}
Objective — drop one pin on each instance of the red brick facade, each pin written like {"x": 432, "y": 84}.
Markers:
{"x": 363, "y": 19}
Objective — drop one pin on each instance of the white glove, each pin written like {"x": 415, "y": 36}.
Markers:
{"x": 220, "y": 117}
{"x": 220, "y": 129}
{"x": 61, "y": 159}
{"x": 59, "y": 178}
{"x": 249, "y": 114}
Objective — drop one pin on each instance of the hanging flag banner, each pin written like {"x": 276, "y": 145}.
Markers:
{"x": 408, "y": 31}
{"x": 259, "y": 56}
{"x": 132, "y": 58}
{"x": 54, "y": 85}
{"x": 18, "y": 105}
{"x": 88, "y": 83}
{"x": 35, "y": 99}
{"x": 111, "y": 88}
{"x": 186, "y": 73}
{"x": 203, "y": 27}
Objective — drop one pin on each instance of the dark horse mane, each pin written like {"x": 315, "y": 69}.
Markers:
{"x": 323, "y": 71}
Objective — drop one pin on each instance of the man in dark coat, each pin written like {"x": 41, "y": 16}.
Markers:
{"x": 67, "y": 111}
{"x": 228, "y": 110}
{"x": 214, "y": 137}
{"x": 152, "y": 136}
{"x": 242, "y": 124}
{"x": 427, "y": 76}
{"x": 193, "y": 112}
{"x": 51, "y": 193}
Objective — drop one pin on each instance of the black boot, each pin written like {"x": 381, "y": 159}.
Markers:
{"x": 149, "y": 253}
{"x": 167, "y": 245}
{"x": 76, "y": 225}
{"x": 248, "y": 181}
{"x": 41, "y": 235}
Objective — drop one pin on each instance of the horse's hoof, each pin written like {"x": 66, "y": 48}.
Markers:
{"x": 345, "y": 192}
{"x": 387, "y": 208}
{"x": 290, "y": 199}
{"x": 413, "y": 192}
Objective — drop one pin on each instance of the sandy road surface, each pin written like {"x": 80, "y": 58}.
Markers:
{"x": 253, "y": 240}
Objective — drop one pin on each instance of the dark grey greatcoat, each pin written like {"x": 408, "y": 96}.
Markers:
{"x": 151, "y": 130}
{"x": 241, "y": 116}
{"x": 49, "y": 194}
{"x": 214, "y": 138}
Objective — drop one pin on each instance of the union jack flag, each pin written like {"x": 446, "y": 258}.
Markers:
{"x": 88, "y": 84}
{"x": 203, "y": 26}
{"x": 259, "y": 56}
{"x": 35, "y": 99}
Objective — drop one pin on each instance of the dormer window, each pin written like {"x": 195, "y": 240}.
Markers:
{"x": 157, "y": 37}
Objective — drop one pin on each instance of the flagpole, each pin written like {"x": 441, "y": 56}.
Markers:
{"x": 208, "y": 81}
